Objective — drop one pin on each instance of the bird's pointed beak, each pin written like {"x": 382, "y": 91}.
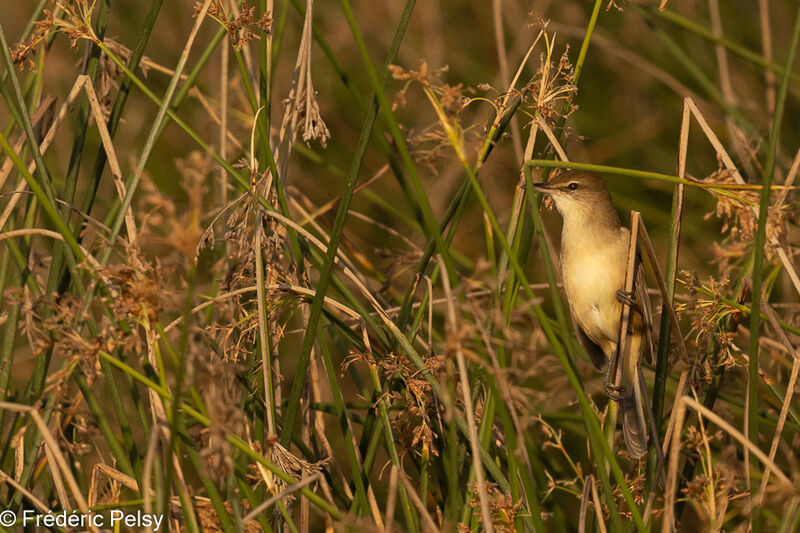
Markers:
{"x": 543, "y": 188}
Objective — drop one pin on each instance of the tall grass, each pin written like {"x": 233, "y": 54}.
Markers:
{"x": 278, "y": 268}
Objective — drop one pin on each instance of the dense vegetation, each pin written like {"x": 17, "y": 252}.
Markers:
{"x": 280, "y": 266}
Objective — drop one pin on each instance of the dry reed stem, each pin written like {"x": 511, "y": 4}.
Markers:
{"x": 584, "y": 503}
{"x": 590, "y": 495}
{"x": 518, "y": 203}
{"x": 345, "y": 269}
{"x": 324, "y": 235}
{"x": 676, "y": 330}
{"x": 517, "y": 206}
{"x": 726, "y": 159}
{"x": 551, "y": 137}
{"x": 113, "y": 162}
{"x": 58, "y": 483}
{"x": 291, "y": 489}
{"x": 689, "y": 109}
{"x": 301, "y": 101}
{"x": 512, "y": 85}
{"x": 391, "y": 499}
{"x": 736, "y": 434}
{"x": 166, "y": 101}
{"x": 714, "y": 140}
{"x": 672, "y": 470}
{"x": 788, "y": 266}
{"x": 114, "y": 475}
{"x": 223, "y": 123}
{"x": 145, "y": 63}
{"x": 598, "y": 510}
{"x": 455, "y": 344}
{"x": 625, "y": 313}
{"x": 785, "y": 260}
{"x": 711, "y": 485}
{"x": 51, "y": 443}
{"x": 790, "y": 177}
{"x": 286, "y": 287}
{"x": 770, "y": 79}
{"x": 55, "y": 236}
{"x": 267, "y": 477}
{"x": 773, "y": 319}
{"x": 31, "y": 497}
{"x": 43, "y": 146}
{"x": 429, "y": 526}
{"x": 502, "y": 61}
{"x": 729, "y": 96}
{"x": 791, "y": 271}
{"x": 19, "y": 140}
{"x": 647, "y": 244}
{"x": 689, "y": 402}
{"x": 683, "y": 149}
{"x": 519, "y": 197}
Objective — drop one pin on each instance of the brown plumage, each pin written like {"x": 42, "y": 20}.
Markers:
{"x": 594, "y": 257}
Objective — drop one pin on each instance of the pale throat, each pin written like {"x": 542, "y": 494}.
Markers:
{"x": 589, "y": 223}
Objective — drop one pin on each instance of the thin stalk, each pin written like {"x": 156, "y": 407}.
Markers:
{"x": 378, "y": 85}
{"x": 758, "y": 254}
{"x": 122, "y": 98}
{"x": 44, "y": 199}
{"x": 409, "y": 514}
{"x": 587, "y": 39}
{"x": 236, "y": 441}
{"x": 291, "y": 414}
{"x": 155, "y": 129}
{"x": 359, "y": 476}
{"x": 23, "y": 115}
{"x": 662, "y": 351}
{"x": 455, "y": 209}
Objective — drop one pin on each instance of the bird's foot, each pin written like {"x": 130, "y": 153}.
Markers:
{"x": 626, "y": 297}
{"x": 615, "y": 392}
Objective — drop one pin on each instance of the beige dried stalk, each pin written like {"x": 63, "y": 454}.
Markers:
{"x": 301, "y": 109}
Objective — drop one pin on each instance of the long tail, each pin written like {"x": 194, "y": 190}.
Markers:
{"x": 634, "y": 426}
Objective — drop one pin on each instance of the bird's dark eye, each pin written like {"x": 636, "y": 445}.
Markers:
{"x": 572, "y": 186}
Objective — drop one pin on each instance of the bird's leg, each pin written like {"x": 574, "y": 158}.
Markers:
{"x": 613, "y": 391}
{"x": 629, "y": 299}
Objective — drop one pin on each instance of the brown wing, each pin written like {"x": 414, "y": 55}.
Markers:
{"x": 643, "y": 299}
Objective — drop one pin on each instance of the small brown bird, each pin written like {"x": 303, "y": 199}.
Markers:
{"x": 594, "y": 258}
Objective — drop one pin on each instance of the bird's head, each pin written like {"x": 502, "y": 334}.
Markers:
{"x": 577, "y": 192}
